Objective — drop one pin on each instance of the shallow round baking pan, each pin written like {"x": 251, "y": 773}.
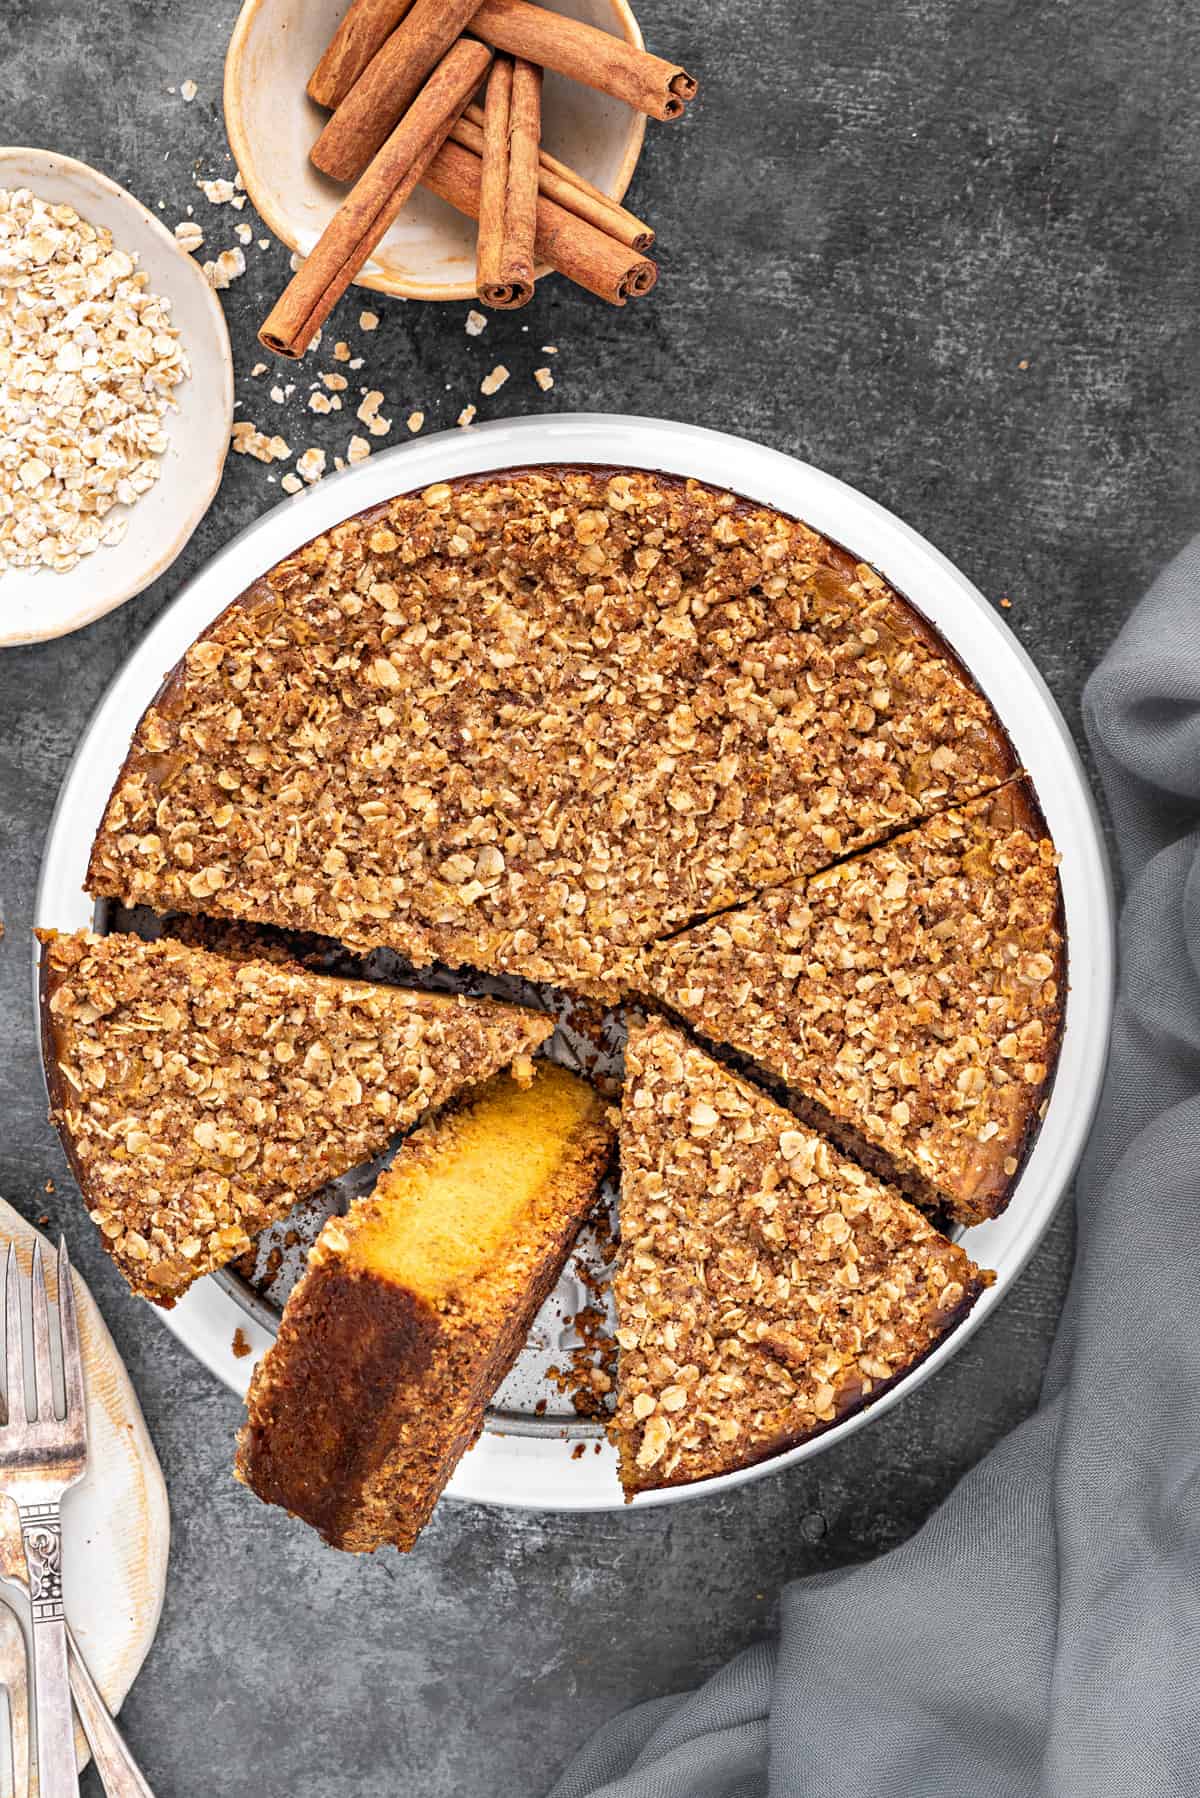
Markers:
{"x": 523, "y": 1458}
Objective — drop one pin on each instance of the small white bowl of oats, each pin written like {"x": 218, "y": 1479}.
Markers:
{"x": 116, "y": 395}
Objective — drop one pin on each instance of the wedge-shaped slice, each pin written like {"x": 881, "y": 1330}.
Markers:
{"x": 911, "y": 998}
{"x": 414, "y": 1307}
{"x": 766, "y": 1285}
{"x": 199, "y": 1098}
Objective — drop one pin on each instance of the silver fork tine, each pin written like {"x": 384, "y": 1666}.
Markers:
{"x": 14, "y": 1348}
{"x": 43, "y": 1376}
{"x": 75, "y": 1417}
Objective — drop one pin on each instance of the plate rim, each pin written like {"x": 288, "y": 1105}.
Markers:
{"x": 535, "y": 1472}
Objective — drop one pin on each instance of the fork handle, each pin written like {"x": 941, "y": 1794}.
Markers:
{"x": 41, "y": 1532}
{"x": 119, "y": 1772}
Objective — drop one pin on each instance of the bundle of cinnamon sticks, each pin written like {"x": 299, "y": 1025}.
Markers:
{"x": 400, "y": 79}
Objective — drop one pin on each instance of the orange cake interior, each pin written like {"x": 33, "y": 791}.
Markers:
{"x": 414, "y": 1306}
{"x": 909, "y": 998}
{"x": 767, "y": 1286}
{"x": 200, "y": 1097}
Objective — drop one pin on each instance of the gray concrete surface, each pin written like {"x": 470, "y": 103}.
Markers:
{"x": 944, "y": 250}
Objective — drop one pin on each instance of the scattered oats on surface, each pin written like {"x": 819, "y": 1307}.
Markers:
{"x": 291, "y": 483}
{"x": 219, "y": 192}
{"x": 248, "y": 440}
{"x": 278, "y": 395}
{"x": 494, "y": 382}
{"x": 465, "y": 416}
{"x": 238, "y": 201}
{"x": 549, "y": 349}
{"x": 264, "y": 243}
{"x": 368, "y": 412}
{"x": 368, "y": 321}
{"x": 243, "y": 233}
{"x": 319, "y": 402}
{"x": 311, "y": 465}
{"x": 358, "y": 451}
{"x": 294, "y": 263}
{"x": 260, "y": 368}
{"x": 188, "y": 236}
{"x": 341, "y": 351}
{"x": 476, "y": 323}
{"x": 335, "y": 383}
{"x": 188, "y": 91}
{"x": 415, "y": 420}
{"x": 226, "y": 269}
{"x": 356, "y": 361}
{"x": 544, "y": 379}
{"x": 88, "y": 359}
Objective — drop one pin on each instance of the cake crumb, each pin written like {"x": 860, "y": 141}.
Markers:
{"x": 368, "y": 321}
{"x": 465, "y": 416}
{"x": 49, "y": 1186}
{"x": 494, "y": 382}
{"x": 341, "y": 351}
{"x": 544, "y": 379}
{"x": 241, "y": 1346}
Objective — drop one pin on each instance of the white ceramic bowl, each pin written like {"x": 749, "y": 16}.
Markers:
{"x": 531, "y": 1467}
{"x": 36, "y": 603}
{"x": 429, "y": 253}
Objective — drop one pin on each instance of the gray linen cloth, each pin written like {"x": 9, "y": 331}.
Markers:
{"x": 1041, "y": 1633}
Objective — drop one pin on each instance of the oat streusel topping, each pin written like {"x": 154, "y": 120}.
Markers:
{"x": 766, "y": 1285}
{"x": 913, "y": 994}
{"x": 531, "y": 722}
{"x": 200, "y": 1098}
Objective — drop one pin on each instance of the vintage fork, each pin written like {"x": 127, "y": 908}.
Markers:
{"x": 41, "y": 1457}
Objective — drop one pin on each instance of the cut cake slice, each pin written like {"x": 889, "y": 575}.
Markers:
{"x": 766, "y": 1285}
{"x": 910, "y": 997}
{"x": 414, "y": 1307}
{"x": 198, "y": 1098}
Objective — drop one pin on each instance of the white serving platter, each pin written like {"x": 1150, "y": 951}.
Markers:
{"x": 540, "y": 1468}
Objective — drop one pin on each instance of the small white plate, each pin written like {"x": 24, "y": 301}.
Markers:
{"x": 36, "y": 604}
{"x": 429, "y": 253}
{"x": 539, "y": 1470}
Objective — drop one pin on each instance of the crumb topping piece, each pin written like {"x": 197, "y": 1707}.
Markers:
{"x": 913, "y": 994}
{"x": 535, "y": 721}
{"x": 766, "y": 1286}
{"x": 200, "y": 1097}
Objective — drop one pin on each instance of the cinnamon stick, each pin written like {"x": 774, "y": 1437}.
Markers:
{"x": 584, "y": 53}
{"x": 364, "y": 30}
{"x": 387, "y": 86}
{"x": 586, "y": 256}
{"x": 569, "y": 189}
{"x": 372, "y": 204}
{"x": 508, "y": 186}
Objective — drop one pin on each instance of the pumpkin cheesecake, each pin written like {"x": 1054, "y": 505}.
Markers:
{"x": 199, "y": 1098}
{"x": 766, "y": 1286}
{"x": 531, "y": 721}
{"x": 414, "y": 1306}
{"x": 910, "y": 998}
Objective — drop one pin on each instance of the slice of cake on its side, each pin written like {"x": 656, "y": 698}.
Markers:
{"x": 414, "y": 1307}
{"x": 766, "y": 1286}
{"x": 199, "y": 1098}
{"x": 910, "y": 997}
